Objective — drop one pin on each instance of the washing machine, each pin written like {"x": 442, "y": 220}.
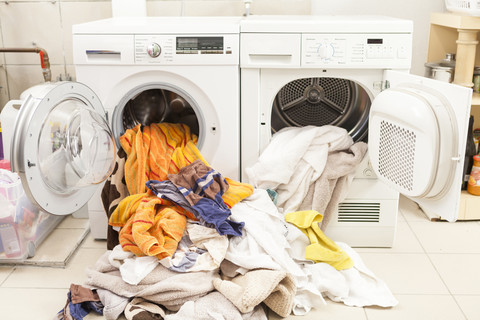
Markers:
{"x": 129, "y": 71}
{"x": 353, "y": 72}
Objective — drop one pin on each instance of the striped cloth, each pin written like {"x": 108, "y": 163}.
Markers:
{"x": 152, "y": 154}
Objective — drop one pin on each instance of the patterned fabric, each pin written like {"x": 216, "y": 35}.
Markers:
{"x": 203, "y": 188}
{"x": 159, "y": 150}
{"x": 114, "y": 191}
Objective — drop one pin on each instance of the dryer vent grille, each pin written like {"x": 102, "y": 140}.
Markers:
{"x": 397, "y": 154}
{"x": 359, "y": 212}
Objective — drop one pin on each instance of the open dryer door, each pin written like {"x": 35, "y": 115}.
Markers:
{"x": 417, "y": 136}
{"x": 62, "y": 147}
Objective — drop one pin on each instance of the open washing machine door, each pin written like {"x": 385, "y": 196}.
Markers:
{"x": 61, "y": 147}
{"x": 417, "y": 136}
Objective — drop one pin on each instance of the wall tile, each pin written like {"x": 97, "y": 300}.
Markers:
{"x": 292, "y": 7}
{"x": 22, "y": 77}
{"x": 30, "y": 24}
{"x": 4, "y": 97}
{"x": 214, "y": 8}
{"x": 79, "y": 12}
{"x": 164, "y": 8}
{"x": 70, "y": 70}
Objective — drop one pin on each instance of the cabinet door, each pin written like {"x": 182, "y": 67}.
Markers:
{"x": 417, "y": 135}
{"x": 62, "y": 146}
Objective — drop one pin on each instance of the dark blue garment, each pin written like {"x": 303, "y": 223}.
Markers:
{"x": 79, "y": 310}
{"x": 211, "y": 213}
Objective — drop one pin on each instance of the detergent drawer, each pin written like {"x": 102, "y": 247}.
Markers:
{"x": 270, "y": 50}
{"x": 103, "y": 49}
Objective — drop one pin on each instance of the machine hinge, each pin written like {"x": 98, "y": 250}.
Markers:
{"x": 381, "y": 85}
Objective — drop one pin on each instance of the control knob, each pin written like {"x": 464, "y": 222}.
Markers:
{"x": 325, "y": 50}
{"x": 154, "y": 49}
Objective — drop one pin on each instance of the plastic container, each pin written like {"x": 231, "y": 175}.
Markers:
{"x": 474, "y": 180}
{"x": 22, "y": 226}
{"x": 468, "y": 7}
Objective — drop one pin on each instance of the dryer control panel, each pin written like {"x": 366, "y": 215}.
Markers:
{"x": 357, "y": 50}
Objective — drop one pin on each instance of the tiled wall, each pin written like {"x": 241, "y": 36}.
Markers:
{"x": 47, "y": 24}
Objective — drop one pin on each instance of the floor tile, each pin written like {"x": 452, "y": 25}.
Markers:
{"x": 91, "y": 242}
{"x": 410, "y": 210}
{"x": 73, "y": 223}
{"x": 331, "y": 311}
{"x": 405, "y": 242}
{"x": 405, "y": 273}
{"x": 446, "y": 237}
{"x": 40, "y": 277}
{"x": 58, "y": 247}
{"x": 469, "y": 306}
{"x": 29, "y": 303}
{"x": 419, "y": 307}
{"x": 5, "y": 271}
{"x": 459, "y": 271}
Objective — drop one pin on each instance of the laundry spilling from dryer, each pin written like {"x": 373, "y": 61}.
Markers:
{"x": 193, "y": 244}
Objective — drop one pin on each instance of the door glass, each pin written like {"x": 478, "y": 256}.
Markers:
{"x": 76, "y": 147}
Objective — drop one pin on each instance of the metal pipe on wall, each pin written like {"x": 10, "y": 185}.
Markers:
{"x": 44, "y": 60}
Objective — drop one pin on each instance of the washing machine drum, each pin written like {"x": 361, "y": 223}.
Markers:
{"x": 322, "y": 101}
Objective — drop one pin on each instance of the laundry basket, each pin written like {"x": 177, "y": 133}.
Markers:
{"x": 469, "y": 7}
{"x": 22, "y": 226}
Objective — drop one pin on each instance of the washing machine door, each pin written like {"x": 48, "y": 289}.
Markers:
{"x": 62, "y": 146}
{"x": 417, "y": 136}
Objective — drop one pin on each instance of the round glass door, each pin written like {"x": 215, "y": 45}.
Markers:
{"x": 62, "y": 146}
{"x": 75, "y": 147}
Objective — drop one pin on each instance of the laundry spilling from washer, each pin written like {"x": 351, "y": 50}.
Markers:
{"x": 190, "y": 237}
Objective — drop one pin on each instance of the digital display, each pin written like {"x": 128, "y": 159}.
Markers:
{"x": 374, "y": 41}
{"x": 202, "y": 44}
{"x": 187, "y": 43}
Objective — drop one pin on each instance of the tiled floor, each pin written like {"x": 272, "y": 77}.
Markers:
{"x": 433, "y": 270}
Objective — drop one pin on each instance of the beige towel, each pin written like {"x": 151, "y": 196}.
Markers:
{"x": 276, "y": 288}
{"x": 162, "y": 286}
{"x": 331, "y": 188}
{"x": 215, "y": 306}
{"x": 141, "y": 309}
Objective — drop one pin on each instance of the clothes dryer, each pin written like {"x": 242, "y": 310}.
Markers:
{"x": 353, "y": 72}
{"x": 132, "y": 71}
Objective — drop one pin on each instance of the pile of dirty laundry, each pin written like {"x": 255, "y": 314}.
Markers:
{"x": 193, "y": 244}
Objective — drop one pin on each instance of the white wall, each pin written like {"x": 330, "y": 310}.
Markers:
{"x": 416, "y": 10}
{"x": 47, "y": 24}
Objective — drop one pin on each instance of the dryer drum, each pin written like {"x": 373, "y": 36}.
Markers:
{"x": 322, "y": 101}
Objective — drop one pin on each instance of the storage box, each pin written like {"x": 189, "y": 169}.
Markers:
{"x": 468, "y": 7}
{"x": 22, "y": 226}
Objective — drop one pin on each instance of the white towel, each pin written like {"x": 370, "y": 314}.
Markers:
{"x": 294, "y": 158}
{"x": 132, "y": 268}
{"x": 271, "y": 243}
{"x": 310, "y": 168}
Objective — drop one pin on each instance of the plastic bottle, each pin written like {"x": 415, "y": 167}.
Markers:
{"x": 474, "y": 180}
{"x": 470, "y": 151}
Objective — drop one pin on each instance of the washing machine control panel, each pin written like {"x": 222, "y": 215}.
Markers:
{"x": 186, "y": 49}
{"x": 359, "y": 50}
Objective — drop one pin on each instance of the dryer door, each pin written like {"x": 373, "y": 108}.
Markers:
{"x": 417, "y": 136}
{"x": 62, "y": 146}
